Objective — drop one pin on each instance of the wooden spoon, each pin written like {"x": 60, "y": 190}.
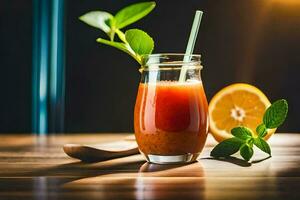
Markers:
{"x": 101, "y": 152}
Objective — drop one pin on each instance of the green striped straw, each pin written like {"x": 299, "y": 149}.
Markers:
{"x": 191, "y": 43}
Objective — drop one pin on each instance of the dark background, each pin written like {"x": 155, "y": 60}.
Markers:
{"x": 252, "y": 41}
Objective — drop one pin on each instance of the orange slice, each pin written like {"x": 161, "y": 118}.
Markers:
{"x": 238, "y": 104}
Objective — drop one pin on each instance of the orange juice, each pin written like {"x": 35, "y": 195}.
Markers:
{"x": 171, "y": 118}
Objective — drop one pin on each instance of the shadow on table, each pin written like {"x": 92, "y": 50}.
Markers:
{"x": 237, "y": 161}
{"x": 151, "y": 181}
{"x": 77, "y": 170}
{"x": 128, "y": 177}
{"x": 49, "y": 181}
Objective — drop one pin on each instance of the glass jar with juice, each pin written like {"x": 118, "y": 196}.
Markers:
{"x": 171, "y": 111}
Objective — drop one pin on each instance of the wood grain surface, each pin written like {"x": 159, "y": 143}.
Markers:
{"x": 33, "y": 167}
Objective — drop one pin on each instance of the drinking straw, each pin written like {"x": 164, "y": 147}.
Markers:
{"x": 191, "y": 43}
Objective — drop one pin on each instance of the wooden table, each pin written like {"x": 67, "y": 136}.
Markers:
{"x": 34, "y": 167}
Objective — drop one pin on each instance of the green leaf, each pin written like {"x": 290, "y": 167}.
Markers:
{"x": 276, "y": 114}
{"x": 133, "y": 13}
{"x": 98, "y": 19}
{"x": 261, "y": 130}
{"x": 226, "y": 148}
{"x": 246, "y": 152}
{"x": 241, "y": 132}
{"x": 121, "y": 46}
{"x": 140, "y": 42}
{"x": 262, "y": 145}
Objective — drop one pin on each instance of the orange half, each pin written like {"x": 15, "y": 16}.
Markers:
{"x": 238, "y": 104}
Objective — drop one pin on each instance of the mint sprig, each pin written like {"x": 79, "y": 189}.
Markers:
{"x": 244, "y": 139}
{"x": 134, "y": 42}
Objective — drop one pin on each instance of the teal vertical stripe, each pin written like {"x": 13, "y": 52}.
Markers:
{"x": 48, "y": 66}
{"x": 57, "y": 67}
{"x": 40, "y": 66}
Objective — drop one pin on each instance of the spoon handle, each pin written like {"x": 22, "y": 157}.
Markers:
{"x": 101, "y": 152}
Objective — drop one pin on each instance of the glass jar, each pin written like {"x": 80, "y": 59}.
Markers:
{"x": 171, "y": 111}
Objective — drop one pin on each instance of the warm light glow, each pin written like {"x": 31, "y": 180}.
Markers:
{"x": 287, "y": 1}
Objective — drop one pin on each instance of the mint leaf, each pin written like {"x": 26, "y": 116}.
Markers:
{"x": 226, "y": 148}
{"x": 140, "y": 42}
{"x": 135, "y": 43}
{"x": 276, "y": 114}
{"x": 133, "y": 13}
{"x": 246, "y": 152}
{"x": 98, "y": 19}
{"x": 262, "y": 145}
{"x": 261, "y": 130}
{"x": 241, "y": 132}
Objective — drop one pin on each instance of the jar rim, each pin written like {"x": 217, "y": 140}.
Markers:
{"x": 171, "y": 54}
{"x": 170, "y": 61}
